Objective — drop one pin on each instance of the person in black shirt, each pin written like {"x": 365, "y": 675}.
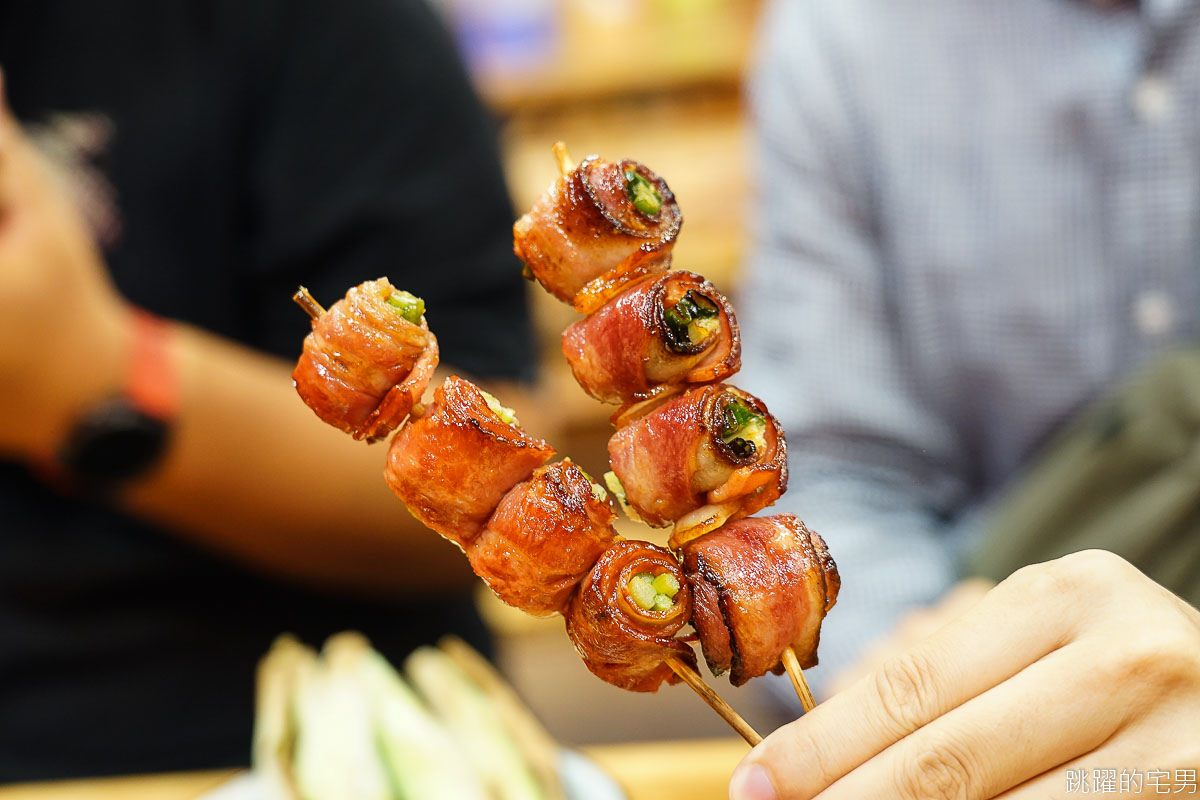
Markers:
{"x": 250, "y": 145}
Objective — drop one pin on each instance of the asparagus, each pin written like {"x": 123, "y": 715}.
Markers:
{"x": 419, "y": 757}
{"x": 472, "y": 721}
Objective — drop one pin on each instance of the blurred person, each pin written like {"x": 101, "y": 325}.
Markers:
{"x": 226, "y": 152}
{"x": 973, "y": 219}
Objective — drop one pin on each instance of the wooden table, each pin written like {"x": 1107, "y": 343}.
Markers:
{"x": 684, "y": 770}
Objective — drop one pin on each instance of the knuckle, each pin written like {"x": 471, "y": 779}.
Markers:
{"x": 1158, "y": 660}
{"x": 941, "y": 772}
{"x": 1074, "y": 574}
{"x": 905, "y": 687}
{"x": 1088, "y": 567}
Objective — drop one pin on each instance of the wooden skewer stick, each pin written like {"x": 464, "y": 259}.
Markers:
{"x": 305, "y": 300}
{"x": 689, "y": 676}
{"x": 565, "y": 164}
{"x": 792, "y": 666}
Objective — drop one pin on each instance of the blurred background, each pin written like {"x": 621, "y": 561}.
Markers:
{"x": 980, "y": 324}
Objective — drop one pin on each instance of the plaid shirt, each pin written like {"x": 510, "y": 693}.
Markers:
{"x": 972, "y": 218}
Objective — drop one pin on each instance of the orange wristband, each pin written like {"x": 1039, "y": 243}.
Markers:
{"x": 151, "y": 384}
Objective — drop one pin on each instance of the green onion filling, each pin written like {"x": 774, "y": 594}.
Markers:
{"x": 654, "y": 593}
{"x": 407, "y": 305}
{"x": 616, "y": 487}
{"x": 618, "y": 491}
{"x": 597, "y": 490}
{"x": 690, "y": 322}
{"x": 744, "y": 429}
{"x": 505, "y": 414}
{"x": 646, "y": 198}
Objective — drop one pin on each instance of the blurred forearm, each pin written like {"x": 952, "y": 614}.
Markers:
{"x": 249, "y": 471}
{"x": 253, "y": 474}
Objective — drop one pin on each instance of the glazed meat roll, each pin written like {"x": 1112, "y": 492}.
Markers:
{"x": 597, "y": 228}
{"x": 759, "y": 585}
{"x": 544, "y": 537}
{"x": 654, "y": 337}
{"x": 367, "y": 361}
{"x": 452, "y": 465}
{"x": 624, "y": 619}
{"x": 710, "y": 455}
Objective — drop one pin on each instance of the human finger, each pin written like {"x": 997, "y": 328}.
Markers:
{"x": 988, "y": 744}
{"x": 916, "y": 626}
{"x": 1005, "y": 632}
{"x": 1159, "y": 753}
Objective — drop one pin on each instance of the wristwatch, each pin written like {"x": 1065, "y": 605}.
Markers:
{"x": 125, "y": 436}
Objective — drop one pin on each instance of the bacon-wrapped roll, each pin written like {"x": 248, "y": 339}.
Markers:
{"x": 626, "y": 614}
{"x": 597, "y": 228}
{"x": 654, "y": 337}
{"x": 367, "y": 361}
{"x": 544, "y": 537}
{"x": 452, "y": 465}
{"x": 710, "y": 455}
{"x": 759, "y": 585}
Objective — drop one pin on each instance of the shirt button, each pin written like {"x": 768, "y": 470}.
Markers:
{"x": 1152, "y": 97}
{"x": 1153, "y": 313}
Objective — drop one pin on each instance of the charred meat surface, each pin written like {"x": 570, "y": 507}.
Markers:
{"x": 759, "y": 585}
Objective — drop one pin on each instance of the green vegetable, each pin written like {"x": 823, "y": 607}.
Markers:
{"x": 690, "y": 322}
{"x": 744, "y": 429}
{"x": 505, "y": 414}
{"x": 667, "y": 584}
{"x": 407, "y": 305}
{"x": 618, "y": 490}
{"x": 335, "y": 737}
{"x": 615, "y": 486}
{"x": 597, "y": 490}
{"x": 646, "y": 198}
{"x": 641, "y": 589}
{"x": 418, "y": 756}
{"x": 488, "y": 748}
{"x": 654, "y": 594}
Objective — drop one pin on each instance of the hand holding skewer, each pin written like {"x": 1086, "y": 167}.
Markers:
{"x": 1064, "y": 662}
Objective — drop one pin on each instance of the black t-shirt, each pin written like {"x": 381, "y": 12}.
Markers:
{"x": 258, "y": 144}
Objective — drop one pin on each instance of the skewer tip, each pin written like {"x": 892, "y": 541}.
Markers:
{"x": 565, "y": 162}
{"x": 305, "y": 300}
